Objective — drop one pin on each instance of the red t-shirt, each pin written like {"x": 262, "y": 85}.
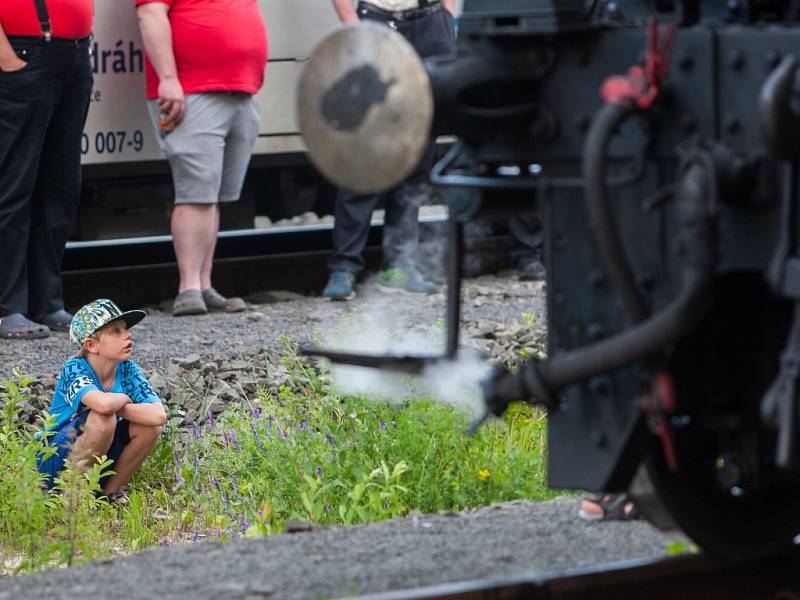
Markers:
{"x": 219, "y": 45}
{"x": 70, "y": 19}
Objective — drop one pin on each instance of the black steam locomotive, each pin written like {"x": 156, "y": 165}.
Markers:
{"x": 659, "y": 142}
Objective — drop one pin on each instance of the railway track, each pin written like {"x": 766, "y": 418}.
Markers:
{"x": 143, "y": 269}
{"x": 690, "y": 577}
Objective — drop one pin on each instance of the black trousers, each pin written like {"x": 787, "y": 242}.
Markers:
{"x": 526, "y": 237}
{"x": 42, "y": 112}
{"x": 431, "y": 35}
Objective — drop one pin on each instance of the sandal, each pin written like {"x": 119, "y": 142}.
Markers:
{"x": 613, "y": 507}
{"x": 59, "y": 320}
{"x": 19, "y": 327}
{"x": 216, "y": 301}
{"x": 189, "y": 302}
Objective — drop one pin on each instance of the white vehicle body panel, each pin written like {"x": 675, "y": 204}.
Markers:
{"x": 118, "y": 128}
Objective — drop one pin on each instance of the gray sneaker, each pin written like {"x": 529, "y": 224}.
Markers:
{"x": 341, "y": 286}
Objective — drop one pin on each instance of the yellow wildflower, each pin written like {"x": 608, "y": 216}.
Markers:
{"x": 484, "y": 474}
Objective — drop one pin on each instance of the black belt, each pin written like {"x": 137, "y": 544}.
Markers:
{"x": 40, "y": 40}
{"x": 426, "y": 7}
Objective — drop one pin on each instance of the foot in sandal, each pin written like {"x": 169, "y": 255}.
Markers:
{"x": 607, "y": 507}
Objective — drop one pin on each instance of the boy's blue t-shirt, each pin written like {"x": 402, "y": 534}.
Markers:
{"x": 77, "y": 378}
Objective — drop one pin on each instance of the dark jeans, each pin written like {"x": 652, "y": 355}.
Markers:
{"x": 525, "y": 231}
{"x": 431, "y": 35}
{"x": 43, "y": 108}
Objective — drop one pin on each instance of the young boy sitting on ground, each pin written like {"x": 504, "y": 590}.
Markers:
{"x": 103, "y": 403}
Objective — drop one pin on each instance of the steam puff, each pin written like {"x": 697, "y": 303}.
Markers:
{"x": 385, "y": 328}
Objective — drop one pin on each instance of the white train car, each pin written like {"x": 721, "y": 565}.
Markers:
{"x": 125, "y": 176}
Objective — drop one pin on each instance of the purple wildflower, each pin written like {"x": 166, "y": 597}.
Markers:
{"x": 256, "y": 412}
{"x": 255, "y": 434}
{"x": 194, "y": 537}
{"x": 318, "y": 470}
{"x": 196, "y": 473}
{"x": 212, "y": 420}
{"x": 235, "y": 441}
{"x": 331, "y": 439}
{"x": 177, "y": 462}
{"x": 383, "y": 425}
{"x": 328, "y": 507}
{"x": 329, "y": 457}
{"x": 386, "y": 506}
{"x": 235, "y": 487}
{"x": 243, "y": 522}
{"x": 285, "y": 435}
{"x": 216, "y": 484}
{"x": 224, "y": 437}
{"x": 195, "y": 430}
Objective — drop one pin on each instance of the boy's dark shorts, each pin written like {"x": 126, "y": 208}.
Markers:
{"x": 65, "y": 437}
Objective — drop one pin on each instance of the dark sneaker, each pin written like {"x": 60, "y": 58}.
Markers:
{"x": 531, "y": 269}
{"x": 341, "y": 286}
{"x": 408, "y": 281}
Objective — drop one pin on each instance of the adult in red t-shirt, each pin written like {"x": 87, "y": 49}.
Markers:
{"x": 45, "y": 86}
{"x": 205, "y": 63}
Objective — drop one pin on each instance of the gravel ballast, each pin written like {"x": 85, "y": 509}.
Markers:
{"x": 504, "y": 540}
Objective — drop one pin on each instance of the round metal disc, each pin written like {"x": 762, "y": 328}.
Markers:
{"x": 365, "y": 107}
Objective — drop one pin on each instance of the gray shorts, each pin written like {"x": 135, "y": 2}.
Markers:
{"x": 210, "y": 149}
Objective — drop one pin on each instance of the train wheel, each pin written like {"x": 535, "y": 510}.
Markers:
{"x": 724, "y": 490}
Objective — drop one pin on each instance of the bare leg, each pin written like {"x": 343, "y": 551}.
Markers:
{"x": 98, "y": 433}
{"x": 208, "y": 262}
{"x": 143, "y": 438}
{"x": 194, "y": 235}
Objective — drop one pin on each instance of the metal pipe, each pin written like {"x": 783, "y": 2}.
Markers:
{"x": 455, "y": 257}
{"x": 595, "y": 151}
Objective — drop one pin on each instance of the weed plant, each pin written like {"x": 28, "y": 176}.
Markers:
{"x": 306, "y": 455}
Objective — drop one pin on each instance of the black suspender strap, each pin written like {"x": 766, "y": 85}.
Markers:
{"x": 44, "y": 19}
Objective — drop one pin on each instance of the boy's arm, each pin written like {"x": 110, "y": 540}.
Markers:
{"x": 150, "y": 414}
{"x": 157, "y": 38}
{"x": 105, "y": 403}
{"x": 9, "y": 61}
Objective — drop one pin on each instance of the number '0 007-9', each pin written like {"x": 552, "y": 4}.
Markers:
{"x": 112, "y": 142}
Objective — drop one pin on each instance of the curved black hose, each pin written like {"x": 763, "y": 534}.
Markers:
{"x": 595, "y": 150}
{"x": 541, "y": 380}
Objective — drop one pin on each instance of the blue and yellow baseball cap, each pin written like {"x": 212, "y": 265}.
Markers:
{"x": 97, "y": 314}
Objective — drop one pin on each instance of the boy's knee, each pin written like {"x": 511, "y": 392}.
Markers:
{"x": 150, "y": 432}
{"x": 100, "y": 424}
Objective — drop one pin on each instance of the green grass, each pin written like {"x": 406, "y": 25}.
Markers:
{"x": 303, "y": 453}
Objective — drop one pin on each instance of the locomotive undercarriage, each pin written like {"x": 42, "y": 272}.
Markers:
{"x": 670, "y": 213}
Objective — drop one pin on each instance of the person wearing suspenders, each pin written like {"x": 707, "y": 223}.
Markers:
{"x": 45, "y": 84}
{"x": 429, "y": 26}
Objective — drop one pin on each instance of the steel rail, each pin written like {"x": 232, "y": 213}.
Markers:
{"x": 686, "y": 577}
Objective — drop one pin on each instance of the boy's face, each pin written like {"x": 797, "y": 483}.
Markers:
{"x": 113, "y": 342}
